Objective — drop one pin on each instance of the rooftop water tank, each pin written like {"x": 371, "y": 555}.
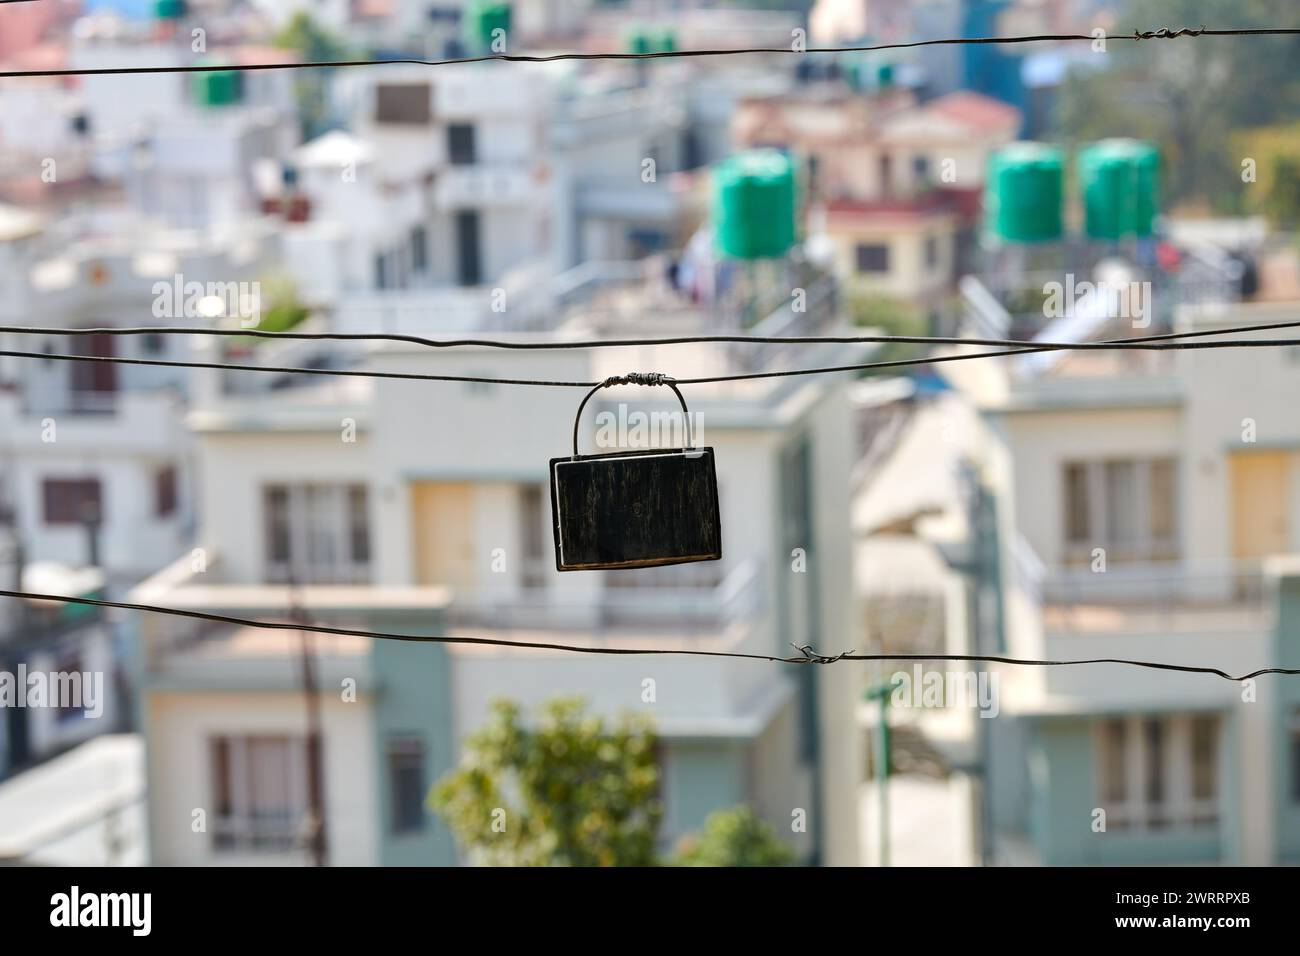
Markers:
{"x": 644, "y": 40}
{"x": 754, "y": 207}
{"x": 480, "y": 21}
{"x": 218, "y": 88}
{"x": 1023, "y": 193}
{"x": 169, "y": 9}
{"x": 1119, "y": 183}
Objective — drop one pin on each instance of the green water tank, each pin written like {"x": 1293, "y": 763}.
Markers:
{"x": 169, "y": 9}
{"x": 218, "y": 88}
{"x": 481, "y": 19}
{"x": 1023, "y": 193}
{"x": 644, "y": 40}
{"x": 852, "y": 71}
{"x": 884, "y": 75}
{"x": 638, "y": 41}
{"x": 1119, "y": 184}
{"x": 754, "y": 205}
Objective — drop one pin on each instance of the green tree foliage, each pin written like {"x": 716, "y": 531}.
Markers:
{"x": 284, "y": 308}
{"x": 891, "y": 316}
{"x": 568, "y": 790}
{"x": 1189, "y": 95}
{"x": 734, "y": 837}
{"x": 313, "y": 43}
{"x": 1275, "y": 153}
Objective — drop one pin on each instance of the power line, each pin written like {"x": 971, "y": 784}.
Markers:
{"x": 806, "y": 655}
{"x": 1163, "y": 33}
{"x": 1136, "y": 342}
{"x": 1157, "y": 342}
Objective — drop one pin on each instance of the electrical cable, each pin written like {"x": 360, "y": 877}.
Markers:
{"x": 806, "y": 656}
{"x": 1159, "y": 342}
{"x": 565, "y": 345}
{"x": 1163, "y": 33}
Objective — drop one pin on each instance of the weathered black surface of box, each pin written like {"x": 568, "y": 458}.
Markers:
{"x": 636, "y": 509}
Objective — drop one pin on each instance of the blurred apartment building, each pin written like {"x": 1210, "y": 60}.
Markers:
{"x": 1135, "y": 505}
{"x": 66, "y": 654}
{"x": 435, "y": 520}
{"x": 1148, "y": 515}
{"x": 448, "y": 205}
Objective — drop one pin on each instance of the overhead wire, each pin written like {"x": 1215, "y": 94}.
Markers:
{"x": 1163, "y": 33}
{"x": 806, "y": 653}
{"x": 1162, "y": 341}
{"x": 562, "y": 344}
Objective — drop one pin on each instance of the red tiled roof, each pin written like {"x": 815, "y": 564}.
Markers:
{"x": 976, "y": 110}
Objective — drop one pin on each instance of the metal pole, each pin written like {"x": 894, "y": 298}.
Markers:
{"x": 317, "y": 841}
{"x": 880, "y": 693}
{"x": 882, "y": 772}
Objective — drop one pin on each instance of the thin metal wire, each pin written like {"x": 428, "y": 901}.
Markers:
{"x": 806, "y": 654}
{"x": 1136, "y": 342}
{"x": 1163, "y": 33}
{"x": 1163, "y": 341}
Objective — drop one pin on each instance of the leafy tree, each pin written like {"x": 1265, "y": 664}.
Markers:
{"x": 572, "y": 790}
{"x": 313, "y": 43}
{"x": 285, "y": 307}
{"x": 734, "y": 837}
{"x": 1188, "y": 94}
{"x": 892, "y": 317}
{"x": 1275, "y": 151}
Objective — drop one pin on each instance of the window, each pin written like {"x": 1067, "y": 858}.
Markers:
{"x": 71, "y": 500}
{"x": 317, "y": 533}
{"x": 405, "y": 103}
{"x": 419, "y": 249}
{"x": 259, "y": 792}
{"x": 531, "y": 530}
{"x": 1157, "y": 772}
{"x": 71, "y": 707}
{"x": 1122, "y": 509}
{"x": 873, "y": 257}
{"x": 886, "y": 174}
{"x": 460, "y": 144}
{"x": 469, "y": 262}
{"x": 1205, "y": 767}
{"x": 1161, "y": 478}
{"x": 164, "y": 491}
{"x": 921, "y": 168}
{"x": 1127, "y": 506}
{"x": 406, "y": 785}
{"x": 1113, "y": 758}
{"x": 1076, "y": 503}
{"x": 931, "y": 252}
{"x": 153, "y": 344}
{"x": 1154, "y": 753}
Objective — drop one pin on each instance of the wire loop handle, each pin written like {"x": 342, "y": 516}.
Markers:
{"x": 637, "y": 378}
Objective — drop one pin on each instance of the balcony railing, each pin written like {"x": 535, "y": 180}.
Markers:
{"x": 461, "y": 187}
{"x": 688, "y": 601}
{"x": 1170, "y": 596}
{"x": 72, "y": 402}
